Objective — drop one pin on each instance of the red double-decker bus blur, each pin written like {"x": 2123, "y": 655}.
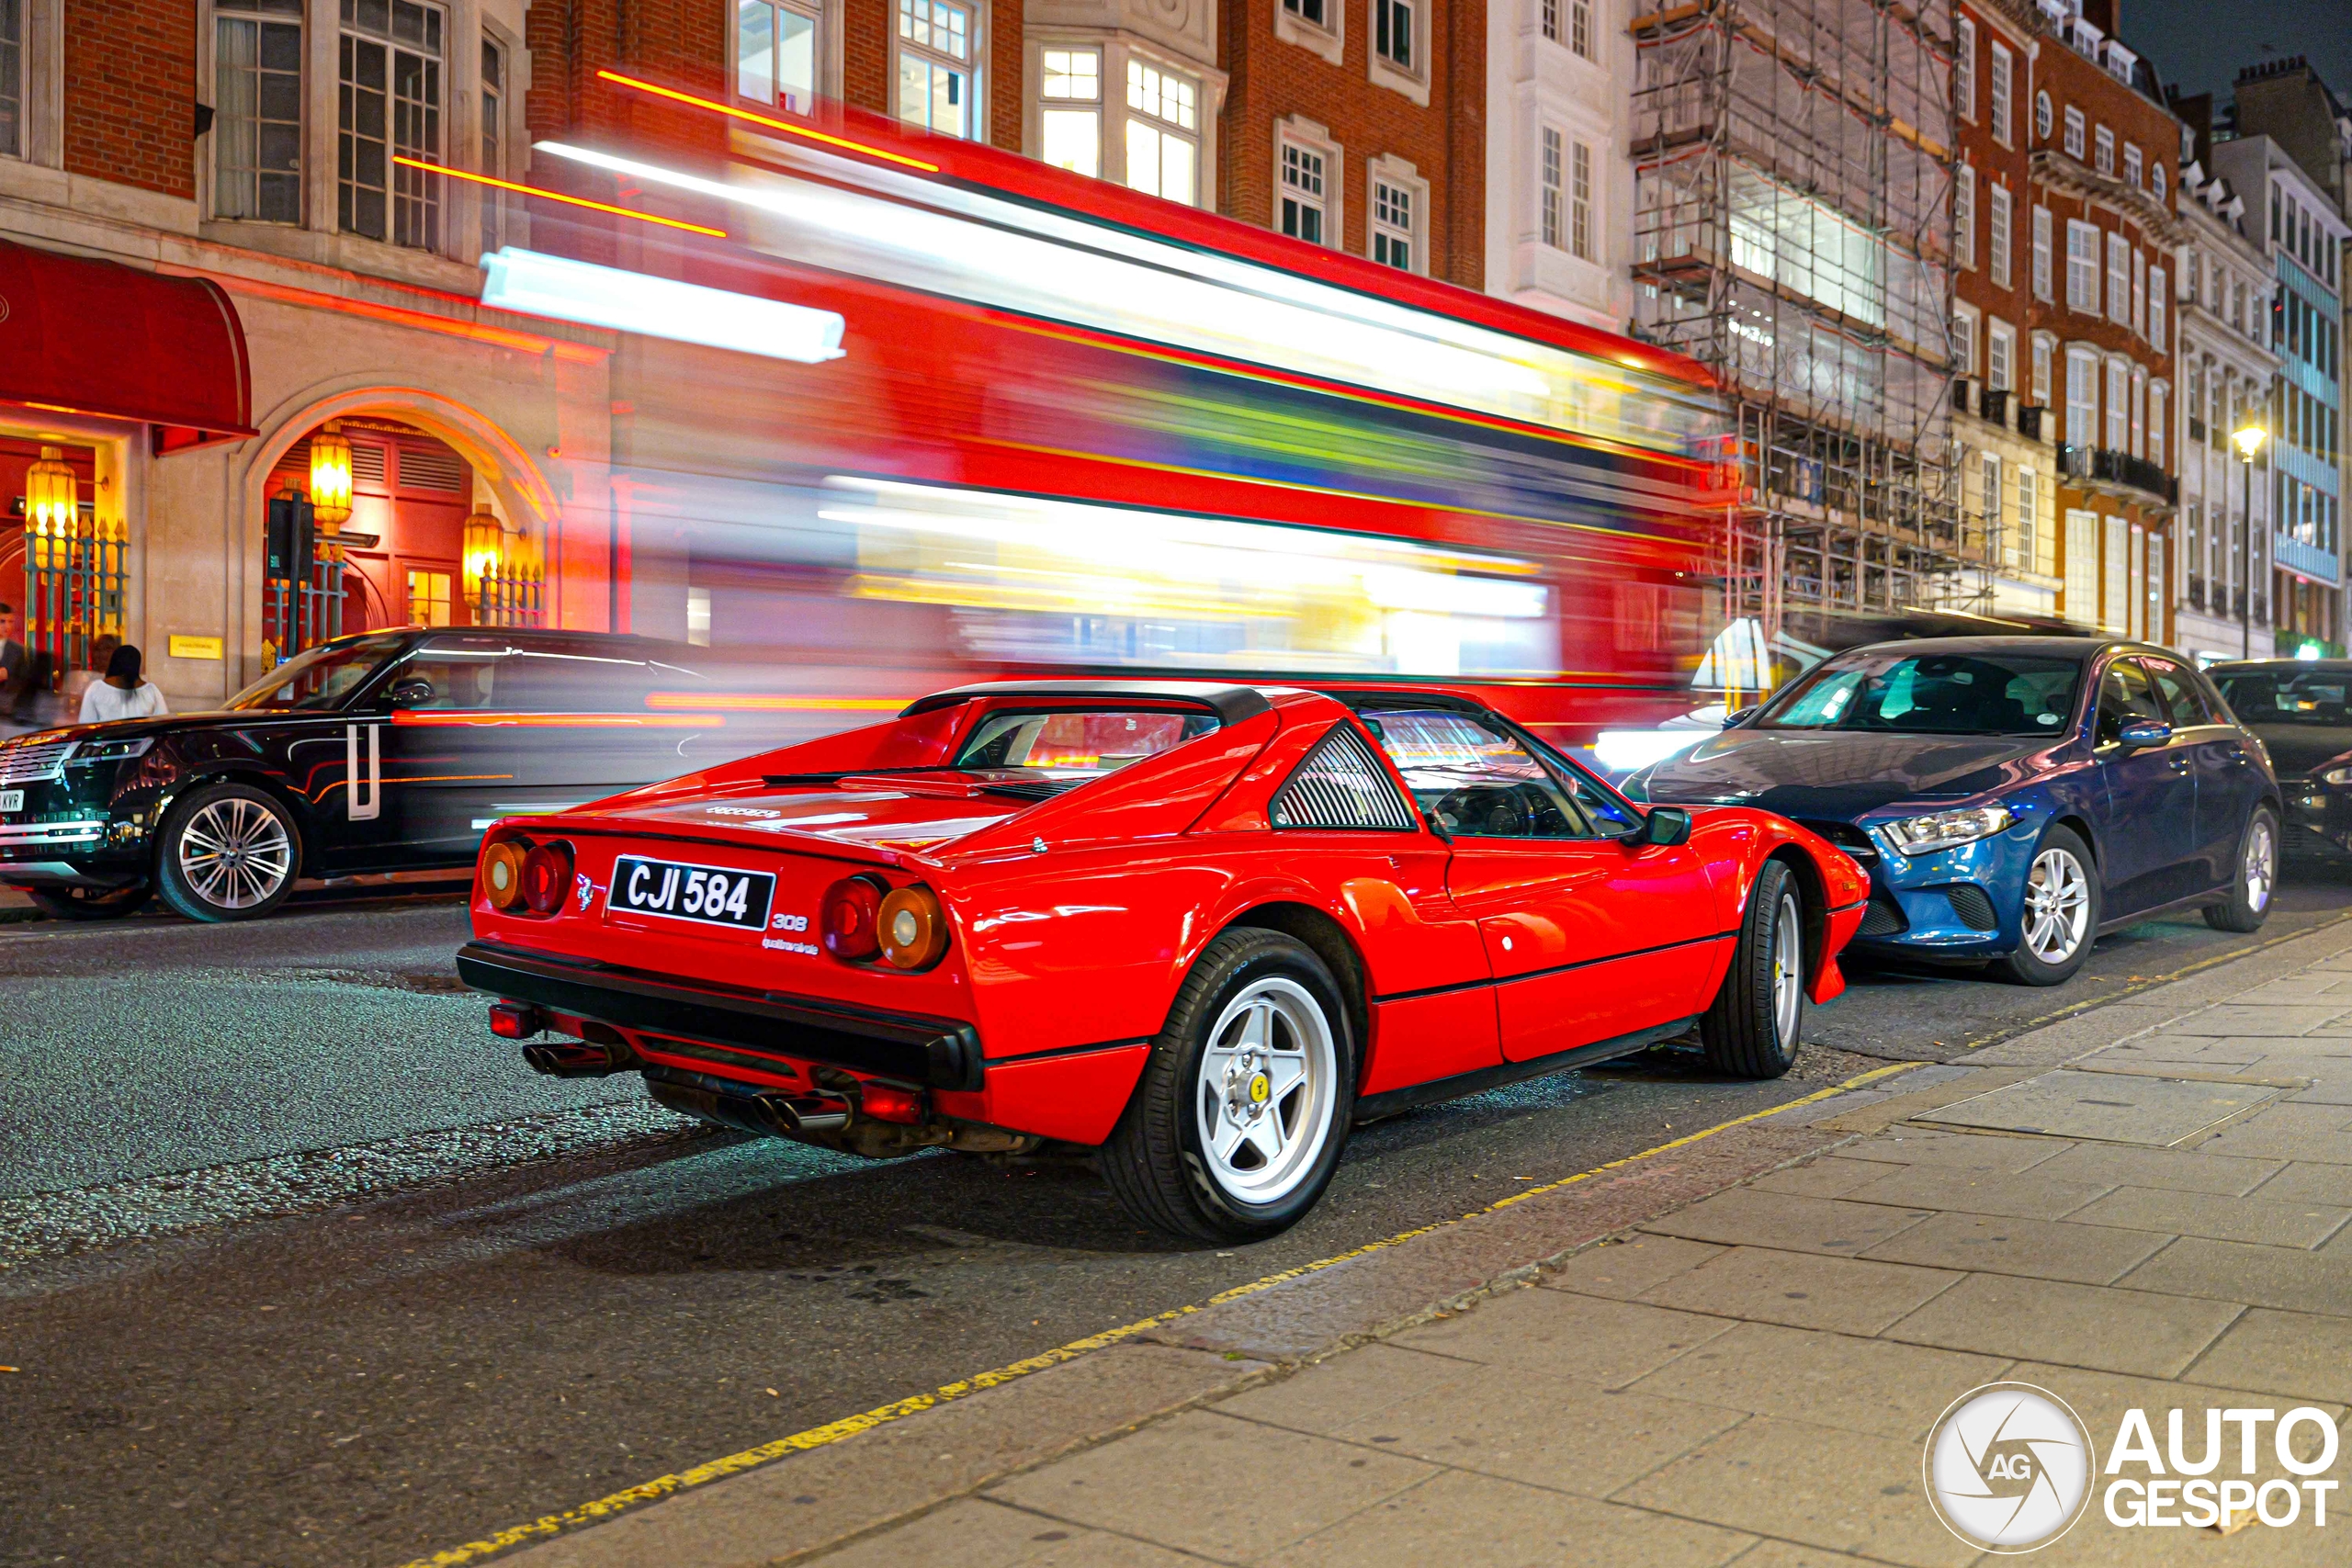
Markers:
{"x": 904, "y": 411}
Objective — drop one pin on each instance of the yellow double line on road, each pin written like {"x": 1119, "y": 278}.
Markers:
{"x": 661, "y": 1486}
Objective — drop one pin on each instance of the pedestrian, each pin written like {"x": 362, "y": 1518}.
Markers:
{"x": 21, "y": 687}
{"x": 124, "y": 694}
{"x": 79, "y": 681}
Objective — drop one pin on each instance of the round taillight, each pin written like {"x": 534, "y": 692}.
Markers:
{"x": 852, "y": 907}
{"x": 502, "y": 874}
{"x": 546, "y": 875}
{"x": 912, "y": 927}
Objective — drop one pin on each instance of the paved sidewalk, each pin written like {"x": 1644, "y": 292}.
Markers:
{"x": 2142, "y": 1206}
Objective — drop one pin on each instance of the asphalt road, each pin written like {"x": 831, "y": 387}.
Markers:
{"x": 300, "y": 1267}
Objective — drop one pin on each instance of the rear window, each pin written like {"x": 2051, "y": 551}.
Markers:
{"x": 2268, "y": 698}
{"x": 1077, "y": 744}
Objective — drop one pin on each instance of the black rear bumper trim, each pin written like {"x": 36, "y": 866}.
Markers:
{"x": 932, "y": 1052}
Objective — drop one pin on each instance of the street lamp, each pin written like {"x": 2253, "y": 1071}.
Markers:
{"x": 2249, "y": 437}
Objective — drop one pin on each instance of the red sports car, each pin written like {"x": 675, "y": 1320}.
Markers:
{"x": 1203, "y": 929}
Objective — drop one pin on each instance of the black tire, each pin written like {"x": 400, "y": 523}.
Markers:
{"x": 213, "y": 885}
{"x": 1156, "y": 1160}
{"x": 1749, "y": 1030}
{"x": 2025, "y": 966}
{"x": 2253, "y": 887}
{"x": 88, "y": 903}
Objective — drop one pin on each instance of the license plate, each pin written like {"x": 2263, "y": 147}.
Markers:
{"x": 12, "y": 800}
{"x": 708, "y": 895}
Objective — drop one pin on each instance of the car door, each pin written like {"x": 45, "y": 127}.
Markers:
{"x": 2227, "y": 782}
{"x": 2146, "y": 854}
{"x": 449, "y": 740}
{"x": 1589, "y": 938}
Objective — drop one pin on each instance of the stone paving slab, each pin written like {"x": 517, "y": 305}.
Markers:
{"x": 1452, "y": 1518}
{"x": 2121, "y": 1164}
{"x": 2032, "y": 1196}
{"x": 1804, "y": 1291}
{"x": 2299, "y": 1354}
{"x": 2083, "y": 1254}
{"x": 2260, "y": 1275}
{"x": 2082, "y": 1325}
{"x": 2111, "y": 1108}
{"x": 1788, "y": 1223}
{"x": 1855, "y": 1384}
{"x": 2211, "y": 1214}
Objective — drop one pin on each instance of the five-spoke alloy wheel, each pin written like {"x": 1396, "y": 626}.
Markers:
{"x": 227, "y": 852}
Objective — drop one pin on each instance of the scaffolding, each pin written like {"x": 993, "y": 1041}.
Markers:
{"x": 1792, "y": 169}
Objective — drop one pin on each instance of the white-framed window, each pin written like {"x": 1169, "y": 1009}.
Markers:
{"x": 1580, "y": 27}
{"x": 1580, "y": 222}
{"x": 1989, "y": 492}
{"x": 2156, "y": 402}
{"x": 1964, "y": 215}
{"x": 2119, "y": 279}
{"x": 1398, "y": 212}
{"x": 1163, "y": 133}
{"x": 12, "y": 78}
{"x": 2000, "y": 236}
{"x": 2115, "y": 585}
{"x": 2159, "y": 322}
{"x": 2001, "y": 355}
{"x": 1069, "y": 107}
{"x": 2025, "y": 545}
{"x": 2119, "y": 406}
{"x": 2075, "y": 132}
{"x": 936, "y": 42}
{"x": 1392, "y": 35}
{"x": 2042, "y": 282}
{"x": 1552, "y": 179}
{"x": 2139, "y": 291}
{"x": 2004, "y": 95}
{"x": 2104, "y": 157}
{"x": 2045, "y": 352}
{"x": 1306, "y": 190}
{"x": 776, "y": 52}
{"x": 1310, "y": 11}
{"x": 2082, "y": 566}
{"x": 391, "y": 81}
{"x": 2082, "y": 266}
{"x": 256, "y": 106}
{"x": 1551, "y": 20}
{"x": 2135, "y": 172}
{"x": 1964, "y": 70}
{"x": 2041, "y": 114}
{"x": 2139, "y": 432}
{"x": 1963, "y": 339}
{"x": 2082, "y": 397}
{"x": 494, "y": 142}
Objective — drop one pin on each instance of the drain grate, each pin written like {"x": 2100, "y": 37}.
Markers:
{"x": 2114, "y": 1108}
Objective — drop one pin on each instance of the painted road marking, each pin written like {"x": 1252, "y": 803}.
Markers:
{"x": 661, "y": 1486}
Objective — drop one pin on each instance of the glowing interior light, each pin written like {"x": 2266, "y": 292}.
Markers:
{"x": 658, "y": 307}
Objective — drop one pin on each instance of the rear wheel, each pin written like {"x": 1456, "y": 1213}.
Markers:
{"x": 1237, "y": 1122}
{"x": 1757, "y": 1015}
{"x": 228, "y": 853}
{"x": 2250, "y": 901}
{"x": 2059, "y": 918}
{"x": 88, "y": 903}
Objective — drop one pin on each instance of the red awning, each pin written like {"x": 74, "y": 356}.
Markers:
{"x": 95, "y": 337}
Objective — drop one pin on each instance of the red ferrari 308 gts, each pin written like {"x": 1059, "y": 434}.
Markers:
{"x": 1202, "y": 929}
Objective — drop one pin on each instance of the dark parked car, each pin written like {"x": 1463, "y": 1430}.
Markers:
{"x": 386, "y": 751}
{"x": 2303, "y": 710}
{"x": 2011, "y": 797}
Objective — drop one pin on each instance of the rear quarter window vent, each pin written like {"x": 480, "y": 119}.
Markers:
{"x": 1342, "y": 785}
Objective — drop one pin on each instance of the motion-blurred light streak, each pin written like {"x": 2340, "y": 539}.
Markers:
{"x": 538, "y": 284}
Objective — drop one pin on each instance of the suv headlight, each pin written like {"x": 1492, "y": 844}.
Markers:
{"x": 1946, "y": 829}
{"x": 110, "y": 751}
{"x": 2336, "y": 776}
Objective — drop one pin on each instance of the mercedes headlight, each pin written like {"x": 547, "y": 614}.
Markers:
{"x": 110, "y": 751}
{"x": 1946, "y": 829}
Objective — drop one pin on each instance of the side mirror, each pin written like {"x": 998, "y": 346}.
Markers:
{"x": 410, "y": 692}
{"x": 1663, "y": 828}
{"x": 1732, "y": 721}
{"x": 2142, "y": 733}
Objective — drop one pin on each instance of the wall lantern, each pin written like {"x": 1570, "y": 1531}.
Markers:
{"x": 484, "y": 546}
{"x": 51, "y": 497}
{"x": 330, "y": 476}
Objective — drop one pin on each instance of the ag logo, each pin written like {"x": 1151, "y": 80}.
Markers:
{"x": 2008, "y": 1467}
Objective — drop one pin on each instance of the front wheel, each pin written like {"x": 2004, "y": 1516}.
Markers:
{"x": 2249, "y": 902}
{"x": 228, "y": 853}
{"x": 88, "y": 903}
{"x": 2059, "y": 919}
{"x": 1242, "y": 1109}
{"x": 1753, "y": 1025}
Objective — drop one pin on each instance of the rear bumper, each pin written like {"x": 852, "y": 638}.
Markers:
{"x": 722, "y": 1023}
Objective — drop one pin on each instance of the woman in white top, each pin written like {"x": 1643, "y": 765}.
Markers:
{"x": 123, "y": 694}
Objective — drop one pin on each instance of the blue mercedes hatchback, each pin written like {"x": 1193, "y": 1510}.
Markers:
{"x": 2011, "y": 797}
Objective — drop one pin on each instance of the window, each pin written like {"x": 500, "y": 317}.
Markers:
{"x": 2082, "y": 400}
{"x": 1069, "y": 119}
{"x": 2158, "y": 322}
{"x": 2042, "y": 115}
{"x": 1580, "y": 200}
{"x": 1580, "y": 27}
{"x": 2082, "y": 266}
{"x": 257, "y": 106}
{"x": 1392, "y": 33}
{"x": 1341, "y": 784}
{"x": 1554, "y": 155}
{"x": 2156, "y": 181}
{"x": 1479, "y": 782}
{"x": 2118, "y": 405}
{"x": 1992, "y": 692}
{"x": 2003, "y": 69}
{"x": 775, "y": 55}
{"x": 2104, "y": 158}
{"x": 1392, "y": 224}
{"x": 2138, "y": 442}
{"x": 428, "y": 598}
{"x": 1308, "y": 11}
{"x": 1990, "y": 462}
{"x": 2044, "y": 351}
{"x": 2118, "y": 280}
{"x": 2001, "y": 355}
{"x": 2042, "y": 260}
{"x": 2115, "y": 600}
{"x": 2140, "y": 291}
{"x": 2156, "y": 425}
{"x": 1552, "y": 20}
{"x": 12, "y": 78}
{"x": 389, "y": 107}
{"x": 1964, "y": 70}
{"x": 1303, "y": 206}
{"x": 2134, "y": 174}
{"x": 2073, "y": 132}
{"x": 1071, "y": 746}
{"x": 2025, "y": 546}
{"x": 1964, "y": 215}
{"x": 2082, "y": 567}
{"x": 493, "y": 140}
{"x": 1163, "y": 118}
{"x": 934, "y": 66}
{"x": 1963, "y": 341}
{"x": 1998, "y": 236}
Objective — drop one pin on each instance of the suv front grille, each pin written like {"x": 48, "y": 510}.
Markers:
{"x": 33, "y": 764}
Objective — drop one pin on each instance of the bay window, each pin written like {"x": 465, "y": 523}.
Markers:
{"x": 1163, "y": 128}
{"x": 1070, "y": 120}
